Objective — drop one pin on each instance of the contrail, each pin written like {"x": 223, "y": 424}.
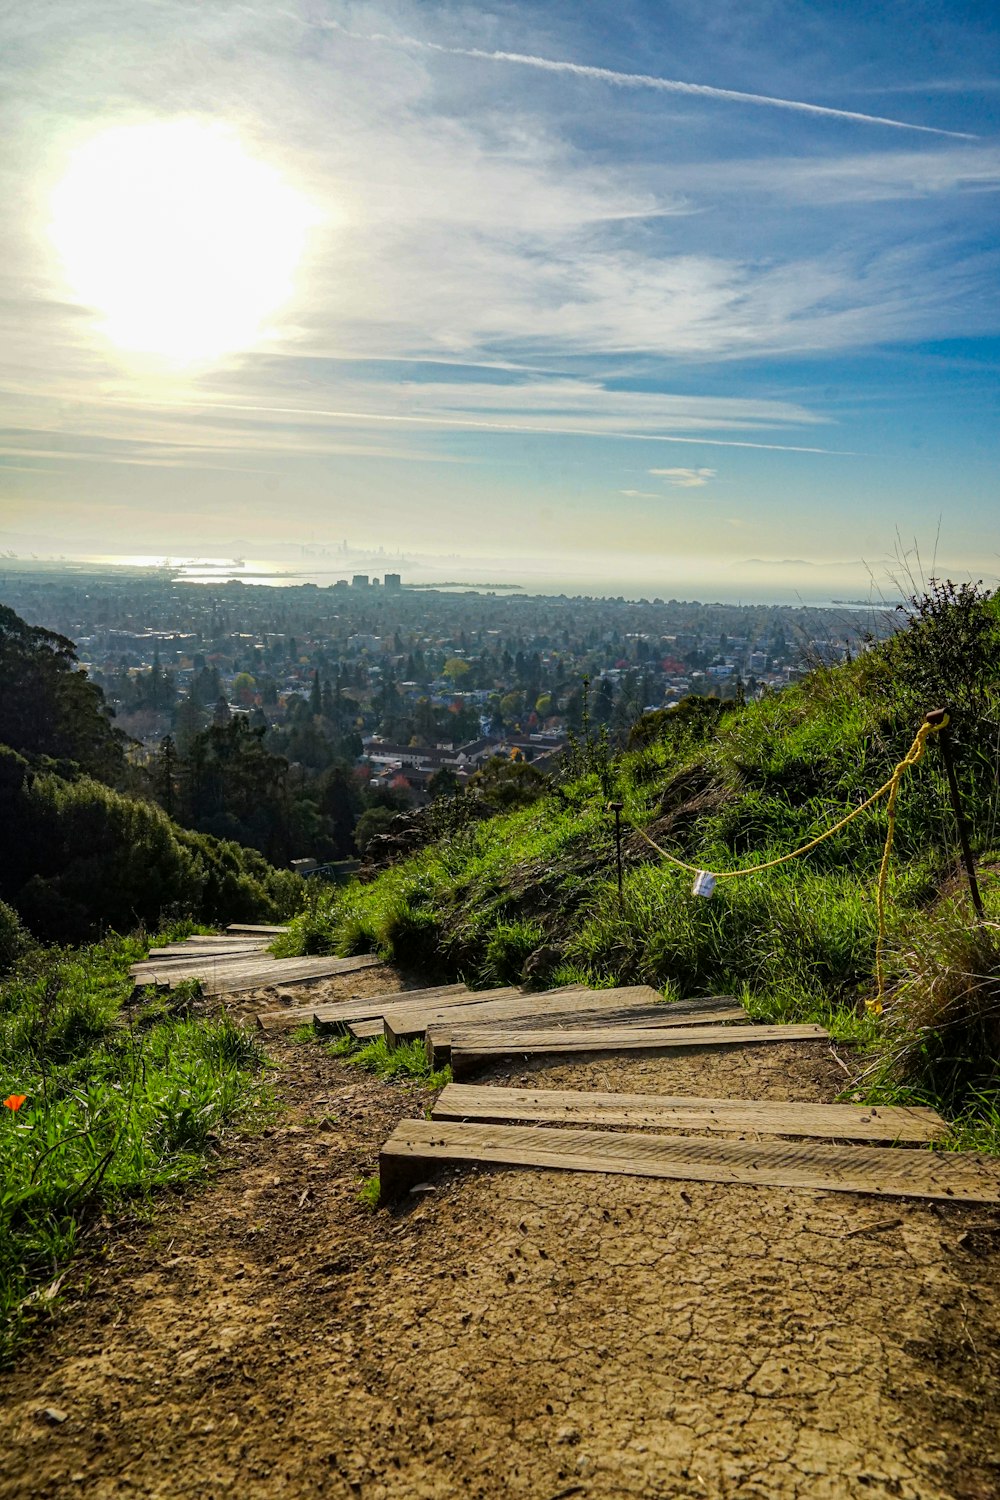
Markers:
{"x": 480, "y": 425}
{"x": 640, "y": 80}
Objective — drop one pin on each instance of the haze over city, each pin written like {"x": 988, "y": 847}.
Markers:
{"x": 660, "y": 299}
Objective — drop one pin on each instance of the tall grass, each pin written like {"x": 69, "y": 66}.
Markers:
{"x": 110, "y": 1112}
{"x": 725, "y": 790}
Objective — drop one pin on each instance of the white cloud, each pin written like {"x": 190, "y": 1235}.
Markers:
{"x": 685, "y": 479}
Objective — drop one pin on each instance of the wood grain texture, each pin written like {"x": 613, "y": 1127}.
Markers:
{"x": 336, "y": 1015}
{"x": 416, "y": 1146}
{"x": 412, "y": 1020}
{"x": 438, "y": 1037}
{"x": 222, "y": 977}
{"x": 475, "y": 1047}
{"x": 251, "y": 927}
{"x": 461, "y": 1101}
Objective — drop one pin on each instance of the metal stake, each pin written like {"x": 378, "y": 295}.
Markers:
{"x": 616, "y": 808}
{"x": 940, "y": 716}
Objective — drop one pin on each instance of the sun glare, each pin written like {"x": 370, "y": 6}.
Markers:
{"x": 182, "y": 243}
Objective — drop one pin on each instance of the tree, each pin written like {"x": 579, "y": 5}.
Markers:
{"x": 244, "y": 689}
{"x": 47, "y": 704}
{"x": 444, "y": 782}
{"x": 455, "y": 669}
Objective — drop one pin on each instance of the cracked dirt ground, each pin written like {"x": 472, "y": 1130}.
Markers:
{"x": 517, "y": 1334}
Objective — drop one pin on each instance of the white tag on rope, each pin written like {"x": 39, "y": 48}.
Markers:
{"x": 704, "y": 884}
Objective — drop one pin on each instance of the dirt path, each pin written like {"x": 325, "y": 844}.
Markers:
{"x": 534, "y": 1335}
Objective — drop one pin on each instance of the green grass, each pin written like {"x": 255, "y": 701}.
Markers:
{"x": 112, "y": 1111}
{"x": 405, "y": 1062}
{"x": 725, "y": 790}
{"x": 369, "y": 1193}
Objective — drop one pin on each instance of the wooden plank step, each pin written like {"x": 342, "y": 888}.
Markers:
{"x": 438, "y": 1037}
{"x": 416, "y": 1146}
{"x": 192, "y": 967}
{"x": 336, "y": 1015}
{"x": 231, "y": 979}
{"x": 408, "y": 1021}
{"x": 859, "y": 1122}
{"x": 241, "y": 927}
{"x": 194, "y": 964}
{"x": 182, "y": 953}
{"x": 279, "y": 972}
{"x": 473, "y": 1048}
{"x": 366, "y": 1031}
{"x": 225, "y": 940}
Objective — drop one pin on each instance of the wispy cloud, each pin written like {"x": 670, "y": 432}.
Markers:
{"x": 685, "y": 479}
{"x": 639, "y": 80}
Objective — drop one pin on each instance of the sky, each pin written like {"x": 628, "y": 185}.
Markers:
{"x": 680, "y": 298}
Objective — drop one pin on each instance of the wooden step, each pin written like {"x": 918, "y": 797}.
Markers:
{"x": 410, "y": 1021}
{"x": 464, "y": 1101}
{"x": 192, "y": 953}
{"x": 474, "y": 1048}
{"x": 366, "y": 1031}
{"x": 417, "y": 1146}
{"x": 191, "y": 966}
{"x": 336, "y": 1015}
{"x": 241, "y": 927}
{"x": 438, "y": 1037}
{"x": 234, "y": 978}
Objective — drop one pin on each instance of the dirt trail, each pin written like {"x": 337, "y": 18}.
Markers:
{"x": 535, "y": 1335}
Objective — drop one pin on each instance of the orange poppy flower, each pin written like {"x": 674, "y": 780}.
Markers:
{"x": 14, "y": 1101}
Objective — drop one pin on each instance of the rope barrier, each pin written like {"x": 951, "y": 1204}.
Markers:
{"x": 705, "y": 879}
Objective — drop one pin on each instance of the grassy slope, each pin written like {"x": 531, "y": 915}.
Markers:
{"x": 795, "y": 943}
{"x": 111, "y": 1111}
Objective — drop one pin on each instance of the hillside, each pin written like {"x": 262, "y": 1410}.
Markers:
{"x": 533, "y": 891}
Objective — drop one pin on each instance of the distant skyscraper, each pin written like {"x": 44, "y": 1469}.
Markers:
{"x": 359, "y": 581}
{"x": 393, "y": 581}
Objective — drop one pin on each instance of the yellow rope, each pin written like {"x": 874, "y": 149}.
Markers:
{"x": 911, "y": 758}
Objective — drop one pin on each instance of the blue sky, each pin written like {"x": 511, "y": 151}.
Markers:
{"x": 527, "y": 298}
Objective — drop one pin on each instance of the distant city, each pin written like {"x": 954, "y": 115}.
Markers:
{"x": 406, "y": 681}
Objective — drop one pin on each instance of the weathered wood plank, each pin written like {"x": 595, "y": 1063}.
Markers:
{"x": 336, "y": 1015}
{"x": 366, "y": 1031}
{"x": 192, "y": 967}
{"x": 473, "y": 1048}
{"x": 463, "y": 1101}
{"x": 233, "y": 978}
{"x": 410, "y": 1020}
{"x": 438, "y": 1037}
{"x": 279, "y": 971}
{"x": 225, "y": 940}
{"x": 251, "y": 927}
{"x": 416, "y": 1146}
{"x": 182, "y": 953}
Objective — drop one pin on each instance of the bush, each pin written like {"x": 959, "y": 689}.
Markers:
{"x": 83, "y": 858}
{"x": 14, "y": 941}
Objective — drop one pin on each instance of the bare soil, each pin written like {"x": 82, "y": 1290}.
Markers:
{"x": 515, "y": 1334}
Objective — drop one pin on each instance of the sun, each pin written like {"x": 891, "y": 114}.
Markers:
{"x": 181, "y": 242}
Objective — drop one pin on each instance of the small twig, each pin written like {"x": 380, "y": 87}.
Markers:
{"x": 880, "y": 1228}
{"x": 840, "y": 1062}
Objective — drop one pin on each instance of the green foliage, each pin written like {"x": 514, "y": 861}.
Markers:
{"x": 507, "y": 948}
{"x": 407, "y": 1061}
{"x": 48, "y": 708}
{"x": 83, "y": 858}
{"x": 110, "y": 1112}
{"x": 731, "y": 787}
{"x": 372, "y": 823}
{"x": 370, "y": 1193}
{"x": 14, "y": 941}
